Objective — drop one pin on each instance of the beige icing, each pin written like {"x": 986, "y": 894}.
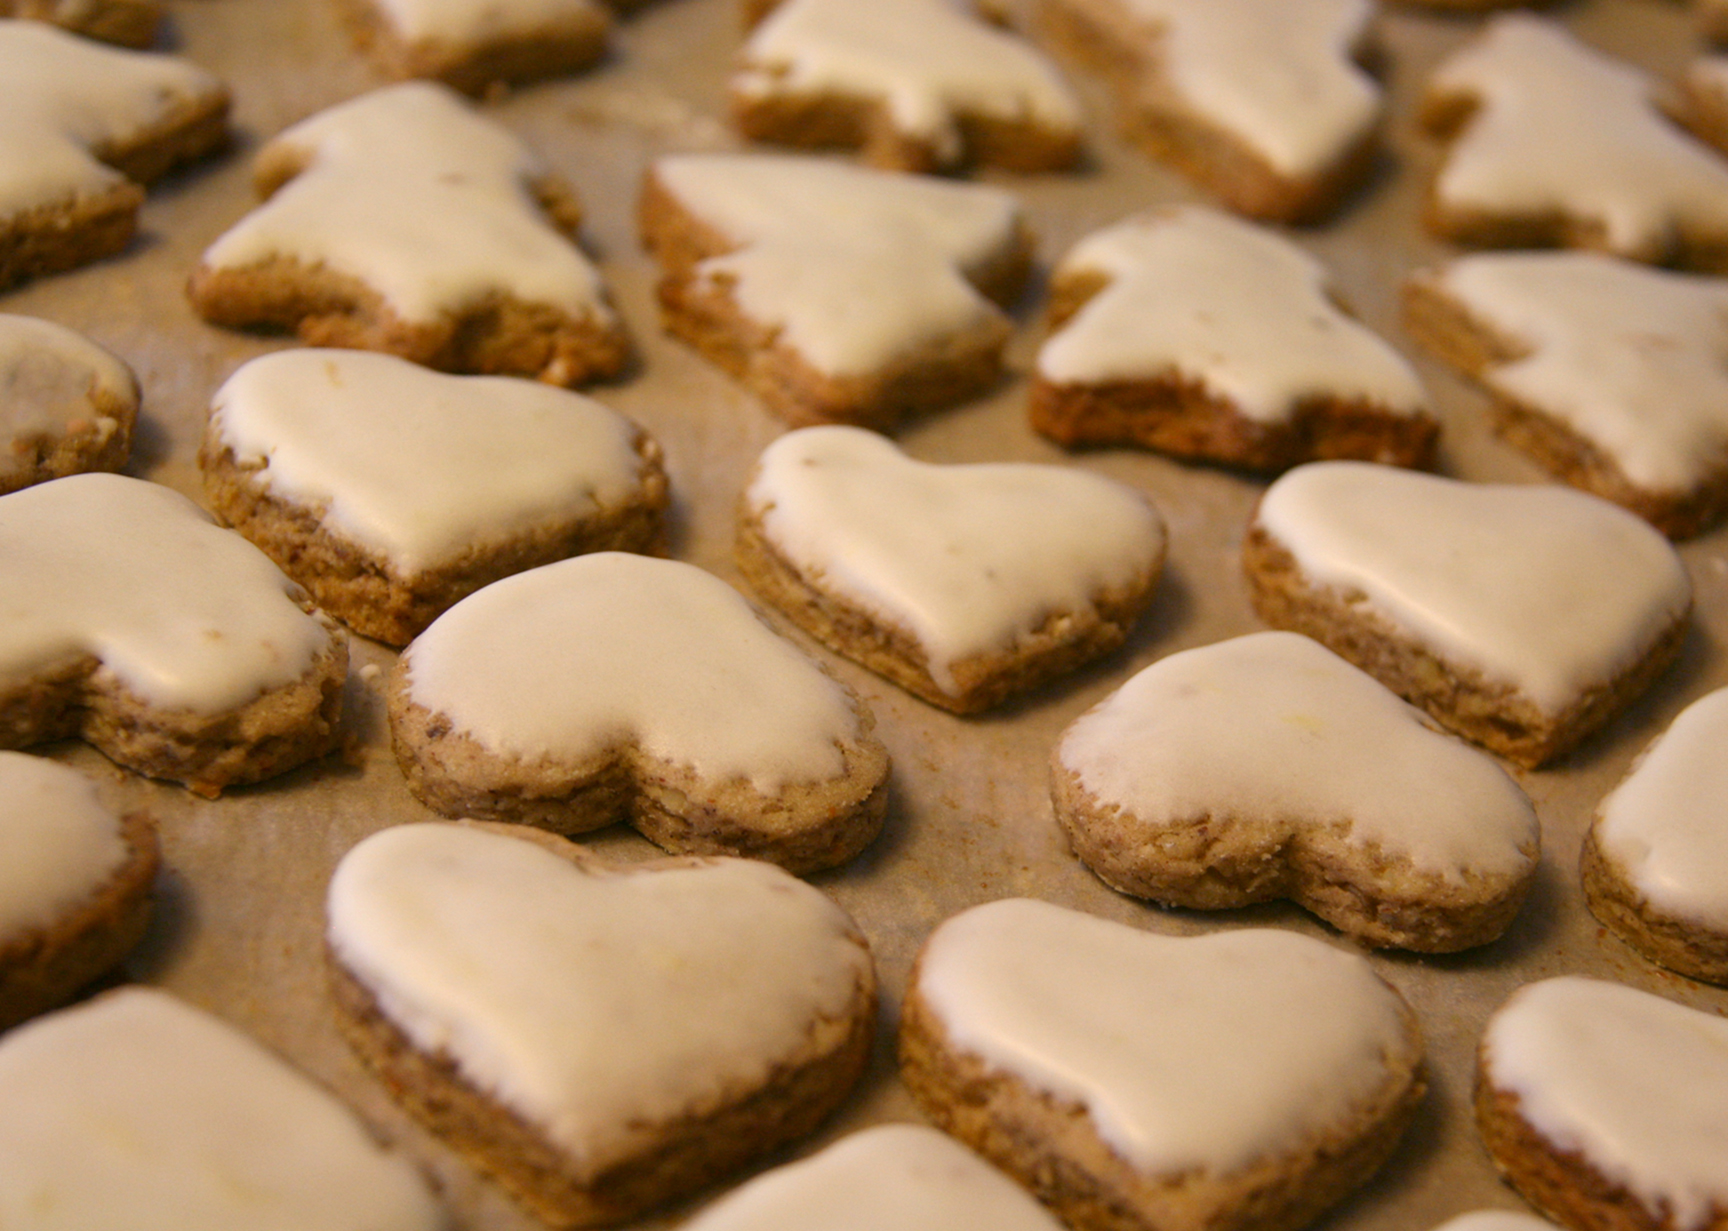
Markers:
{"x": 1540, "y": 587}
{"x": 1275, "y": 726}
{"x": 1663, "y": 824}
{"x": 590, "y": 1002}
{"x": 1162, "y": 1040}
{"x": 135, "y": 1110}
{"x": 904, "y": 1176}
{"x": 1632, "y": 1082}
{"x": 184, "y": 614}
{"x": 475, "y": 21}
{"x": 58, "y": 844}
{"x": 892, "y": 251}
{"x": 1496, "y": 1220}
{"x": 62, "y": 96}
{"x": 1565, "y": 130}
{"x": 48, "y": 376}
{"x": 577, "y": 659}
{"x": 969, "y": 559}
{"x": 1633, "y": 359}
{"x": 417, "y": 465}
{"x": 927, "y": 61}
{"x": 474, "y": 229}
{"x": 1278, "y": 74}
{"x": 1229, "y": 306}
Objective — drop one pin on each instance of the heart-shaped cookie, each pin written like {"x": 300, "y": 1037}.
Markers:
{"x": 962, "y": 584}
{"x": 1116, "y": 1070}
{"x": 615, "y": 686}
{"x": 1603, "y": 1105}
{"x": 1521, "y": 616}
{"x": 137, "y": 1110}
{"x": 174, "y": 646}
{"x": 599, "y": 1039}
{"x": 391, "y": 491}
{"x": 1266, "y": 767}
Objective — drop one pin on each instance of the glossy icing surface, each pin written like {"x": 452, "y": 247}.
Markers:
{"x": 58, "y": 843}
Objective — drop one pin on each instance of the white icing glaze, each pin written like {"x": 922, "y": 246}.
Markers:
{"x": 892, "y": 250}
{"x": 466, "y": 21}
{"x": 1162, "y": 1039}
{"x": 62, "y": 96}
{"x": 578, "y": 659}
{"x": 1632, "y": 1082}
{"x": 1274, "y": 726}
{"x": 1565, "y": 130}
{"x": 1278, "y": 74}
{"x": 1633, "y": 359}
{"x": 474, "y": 230}
{"x": 1496, "y": 1220}
{"x": 185, "y": 614}
{"x": 1224, "y": 304}
{"x": 58, "y": 844}
{"x": 904, "y": 1176}
{"x": 1663, "y": 824}
{"x": 927, "y": 61}
{"x": 1544, "y": 588}
{"x": 48, "y": 377}
{"x": 135, "y": 1110}
{"x": 969, "y": 559}
{"x": 418, "y": 465}
{"x": 590, "y": 1003}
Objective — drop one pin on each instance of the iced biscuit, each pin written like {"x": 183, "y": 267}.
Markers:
{"x": 965, "y": 585}
{"x": 1554, "y": 143}
{"x": 1655, "y": 859}
{"x": 600, "y": 1040}
{"x": 835, "y": 293}
{"x": 75, "y": 884}
{"x": 1603, "y": 1106}
{"x": 1129, "y": 1078}
{"x": 137, "y": 1110}
{"x": 917, "y": 85}
{"x": 1261, "y": 767}
{"x": 176, "y": 648}
{"x": 131, "y": 23}
{"x": 66, "y": 405}
{"x": 612, "y": 687}
{"x": 391, "y": 492}
{"x": 481, "y": 275}
{"x": 1264, "y": 103}
{"x": 474, "y": 44}
{"x": 83, "y": 128}
{"x": 1203, "y": 336}
{"x": 1521, "y": 617}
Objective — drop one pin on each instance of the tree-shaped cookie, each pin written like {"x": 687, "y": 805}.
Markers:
{"x": 406, "y": 222}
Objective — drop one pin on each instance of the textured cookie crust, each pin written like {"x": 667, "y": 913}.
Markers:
{"x": 1682, "y": 945}
{"x": 573, "y": 40}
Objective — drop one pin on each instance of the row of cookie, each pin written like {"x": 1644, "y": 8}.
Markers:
{"x": 1048, "y": 1040}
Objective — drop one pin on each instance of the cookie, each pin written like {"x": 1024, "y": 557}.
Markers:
{"x": 965, "y": 585}
{"x": 1712, "y": 16}
{"x": 1263, "y": 103}
{"x": 612, "y": 687}
{"x": 131, "y": 23}
{"x": 83, "y": 128}
{"x": 75, "y": 883}
{"x": 483, "y": 275}
{"x": 703, "y": 1011}
{"x": 1496, "y": 1220}
{"x": 1256, "y": 768}
{"x": 1654, "y": 856}
{"x": 138, "y": 1110}
{"x": 1603, "y": 1106}
{"x": 174, "y": 647}
{"x": 391, "y": 492}
{"x": 472, "y": 45}
{"x": 1128, "y": 1080}
{"x": 1700, "y": 98}
{"x": 1551, "y": 142}
{"x": 1607, "y": 372}
{"x": 1522, "y": 617}
{"x": 66, "y": 405}
{"x": 835, "y": 293}
{"x": 1199, "y": 335}
{"x": 905, "y": 1176}
{"x": 916, "y": 85}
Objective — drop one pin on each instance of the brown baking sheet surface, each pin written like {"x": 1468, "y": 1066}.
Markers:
{"x": 238, "y": 930}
